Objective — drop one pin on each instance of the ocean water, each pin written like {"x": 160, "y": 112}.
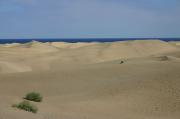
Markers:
{"x": 74, "y": 40}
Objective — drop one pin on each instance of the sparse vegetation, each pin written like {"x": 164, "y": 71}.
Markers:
{"x": 121, "y": 62}
{"x": 33, "y": 96}
{"x": 164, "y": 58}
{"x": 27, "y": 106}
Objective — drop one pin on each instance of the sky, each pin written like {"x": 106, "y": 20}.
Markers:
{"x": 89, "y": 19}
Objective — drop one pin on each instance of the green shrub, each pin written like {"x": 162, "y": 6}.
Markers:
{"x": 33, "y": 96}
{"x": 27, "y": 106}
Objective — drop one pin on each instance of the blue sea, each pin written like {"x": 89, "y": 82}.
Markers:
{"x": 74, "y": 40}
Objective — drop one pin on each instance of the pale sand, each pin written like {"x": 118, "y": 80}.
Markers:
{"x": 87, "y": 81}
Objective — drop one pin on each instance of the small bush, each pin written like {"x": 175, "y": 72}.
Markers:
{"x": 27, "y": 106}
{"x": 33, "y": 96}
{"x": 121, "y": 62}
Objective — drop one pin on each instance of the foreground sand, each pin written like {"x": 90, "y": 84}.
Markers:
{"x": 87, "y": 81}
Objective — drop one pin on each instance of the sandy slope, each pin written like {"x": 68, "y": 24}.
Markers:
{"x": 87, "y": 81}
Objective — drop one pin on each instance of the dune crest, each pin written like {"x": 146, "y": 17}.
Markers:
{"x": 100, "y": 52}
{"x": 45, "y": 55}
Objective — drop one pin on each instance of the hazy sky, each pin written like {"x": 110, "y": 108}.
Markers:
{"x": 89, "y": 18}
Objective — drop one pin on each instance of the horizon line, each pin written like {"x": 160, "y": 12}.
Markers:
{"x": 92, "y": 38}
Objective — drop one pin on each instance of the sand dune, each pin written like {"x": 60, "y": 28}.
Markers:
{"x": 88, "y": 80}
{"x": 175, "y": 43}
{"x": 10, "y": 45}
{"x": 71, "y": 45}
{"x": 9, "y": 67}
{"x": 37, "y": 55}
